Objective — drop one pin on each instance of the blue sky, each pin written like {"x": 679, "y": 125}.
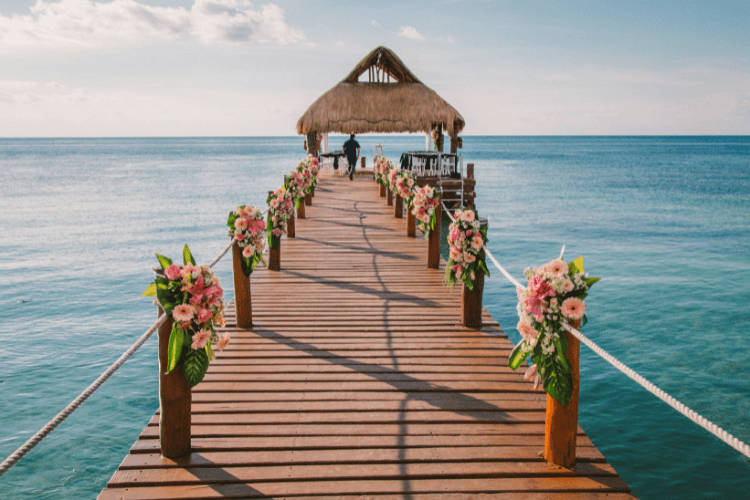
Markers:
{"x": 230, "y": 67}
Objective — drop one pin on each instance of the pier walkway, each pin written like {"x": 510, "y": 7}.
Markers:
{"x": 358, "y": 382}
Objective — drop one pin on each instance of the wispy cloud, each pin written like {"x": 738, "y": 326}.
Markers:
{"x": 376, "y": 24}
{"x": 87, "y": 23}
{"x": 411, "y": 33}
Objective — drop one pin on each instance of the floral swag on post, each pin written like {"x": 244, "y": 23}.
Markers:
{"x": 193, "y": 298}
{"x": 555, "y": 294}
{"x": 279, "y": 210}
{"x": 466, "y": 239}
{"x": 393, "y": 175}
{"x": 294, "y": 184}
{"x": 312, "y": 166}
{"x": 247, "y": 228}
{"x": 405, "y": 187}
{"x": 382, "y": 168}
{"x": 426, "y": 201}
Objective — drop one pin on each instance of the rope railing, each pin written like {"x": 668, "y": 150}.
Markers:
{"x": 17, "y": 455}
{"x": 714, "y": 429}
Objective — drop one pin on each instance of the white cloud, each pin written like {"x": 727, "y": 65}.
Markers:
{"x": 87, "y": 23}
{"x": 376, "y": 24}
{"x": 411, "y": 33}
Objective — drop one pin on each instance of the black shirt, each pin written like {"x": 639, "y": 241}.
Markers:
{"x": 350, "y": 148}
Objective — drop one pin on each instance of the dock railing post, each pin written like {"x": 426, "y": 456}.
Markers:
{"x": 308, "y": 199}
{"x": 382, "y": 191}
{"x": 399, "y": 203}
{"x": 290, "y": 227}
{"x": 471, "y": 300}
{"x": 300, "y": 209}
{"x": 242, "y": 298}
{"x": 389, "y": 197}
{"x": 175, "y": 400}
{"x": 433, "y": 241}
{"x": 274, "y": 254}
{"x": 363, "y": 163}
{"x": 561, "y": 425}
{"x": 411, "y": 223}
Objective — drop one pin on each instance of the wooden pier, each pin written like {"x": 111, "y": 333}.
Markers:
{"x": 357, "y": 381}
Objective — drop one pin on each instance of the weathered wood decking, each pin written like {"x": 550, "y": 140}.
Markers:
{"x": 357, "y": 381}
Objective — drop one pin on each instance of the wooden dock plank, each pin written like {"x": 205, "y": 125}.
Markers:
{"x": 356, "y": 380}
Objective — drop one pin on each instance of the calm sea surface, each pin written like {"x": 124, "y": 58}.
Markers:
{"x": 665, "y": 221}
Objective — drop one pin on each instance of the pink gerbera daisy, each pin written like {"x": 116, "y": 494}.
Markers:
{"x": 223, "y": 341}
{"x": 183, "y": 312}
{"x": 557, "y": 267}
{"x": 573, "y": 308}
{"x": 200, "y": 339}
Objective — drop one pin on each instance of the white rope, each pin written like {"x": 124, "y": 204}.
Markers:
{"x": 692, "y": 415}
{"x": 52, "y": 424}
{"x": 37, "y": 438}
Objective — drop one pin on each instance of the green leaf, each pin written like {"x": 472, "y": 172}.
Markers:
{"x": 584, "y": 320}
{"x": 556, "y": 377}
{"x": 187, "y": 256}
{"x": 150, "y": 291}
{"x": 210, "y": 352}
{"x": 164, "y": 262}
{"x": 232, "y": 218}
{"x": 576, "y": 266}
{"x": 517, "y": 356}
{"x": 591, "y": 281}
{"x": 483, "y": 266}
{"x": 194, "y": 365}
{"x": 176, "y": 340}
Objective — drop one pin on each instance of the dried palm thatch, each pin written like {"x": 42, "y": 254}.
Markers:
{"x": 406, "y": 105}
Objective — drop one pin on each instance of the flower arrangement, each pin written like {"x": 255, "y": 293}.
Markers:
{"x": 426, "y": 200}
{"x": 405, "y": 187}
{"x": 192, "y": 296}
{"x": 555, "y": 295}
{"x": 382, "y": 168}
{"x": 466, "y": 239}
{"x": 294, "y": 184}
{"x": 313, "y": 166}
{"x": 246, "y": 227}
{"x": 392, "y": 176}
{"x": 280, "y": 207}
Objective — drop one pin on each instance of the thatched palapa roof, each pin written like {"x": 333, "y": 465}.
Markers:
{"x": 404, "y": 105}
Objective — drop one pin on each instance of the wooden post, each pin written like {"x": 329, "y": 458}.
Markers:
{"x": 362, "y": 162}
{"x": 290, "y": 227}
{"x": 175, "y": 399}
{"x": 433, "y": 242}
{"x": 471, "y": 301}
{"x": 411, "y": 223}
{"x": 561, "y": 426}
{"x": 308, "y": 199}
{"x": 389, "y": 198}
{"x": 399, "y": 203}
{"x": 312, "y": 193}
{"x": 469, "y": 200}
{"x": 274, "y": 254}
{"x": 301, "y": 209}
{"x": 382, "y": 191}
{"x": 242, "y": 298}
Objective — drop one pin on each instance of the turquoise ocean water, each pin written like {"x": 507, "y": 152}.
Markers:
{"x": 665, "y": 221}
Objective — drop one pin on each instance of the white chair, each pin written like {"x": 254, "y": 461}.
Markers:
{"x": 418, "y": 165}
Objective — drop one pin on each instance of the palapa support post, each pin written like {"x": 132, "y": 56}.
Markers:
{"x": 389, "y": 198}
{"x": 175, "y": 400}
{"x": 433, "y": 241}
{"x": 308, "y": 199}
{"x": 411, "y": 223}
{"x": 471, "y": 301}
{"x": 300, "y": 209}
{"x": 561, "y": 425}
{"x": 362, "y": 162}
{"x": 242, "y": 297}
{"x": 469, "y": 199}
{"x": 399, "y": 203}
{"x": 382, "y": 191}
{"x": 291, "y": 231}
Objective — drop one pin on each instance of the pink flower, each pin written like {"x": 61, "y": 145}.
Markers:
{"x": 277, "y": 232}
{"x": 172, "y": 272}
{"x": 248, "y": 251}
{"x": 568, "y": 286}
{"x": 455, "y": 254}
{"x": 531, "y": 372}
{"x": 223, "y": 341}
{"x": 573, "y": 308}
{"x": 240, "y": 223}
{"x": 527, "y": 331}
{"x": 534, "y": 307}
{"x": 239, "y": 236}
{"x": 183, "y": 312}
{"x": 541, "y": 288}
{"x": 203, "y": 315}
{"x": 557, "y": 267}
{"x": 458, "y": 269}
{"x": 256, "y": 226}
{"x": 200, "y": 339}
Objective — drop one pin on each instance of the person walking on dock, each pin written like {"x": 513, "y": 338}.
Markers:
{"x": 351, "y": 150}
